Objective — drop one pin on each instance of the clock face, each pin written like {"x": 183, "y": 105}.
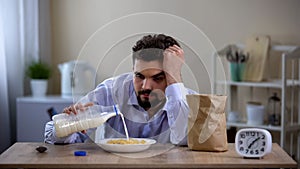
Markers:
{"x": 253, "y": 143}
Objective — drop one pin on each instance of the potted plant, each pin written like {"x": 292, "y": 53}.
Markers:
{"x": 39, "y": 73}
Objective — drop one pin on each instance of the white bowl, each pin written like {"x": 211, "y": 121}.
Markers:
{"x": 125, "y": 148}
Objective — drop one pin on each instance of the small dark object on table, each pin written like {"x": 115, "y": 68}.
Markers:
{"x": 41, "y": 149}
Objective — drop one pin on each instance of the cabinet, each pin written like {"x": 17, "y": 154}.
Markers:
{"x": 287, "y": 85}
{"x": 32, "y": 115}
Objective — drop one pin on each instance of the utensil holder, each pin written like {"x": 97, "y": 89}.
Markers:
{"x": 237, "y": 71}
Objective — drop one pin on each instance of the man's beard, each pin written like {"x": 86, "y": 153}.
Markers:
{"x": 146, "y": 103}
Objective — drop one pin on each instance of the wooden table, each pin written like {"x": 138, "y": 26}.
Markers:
{"x": 24, "y": 155}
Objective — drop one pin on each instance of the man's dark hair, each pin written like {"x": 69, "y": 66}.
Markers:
{"x": 151, "y": 47}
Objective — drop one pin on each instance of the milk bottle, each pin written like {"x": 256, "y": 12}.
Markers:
{"x": 90, "y": 117}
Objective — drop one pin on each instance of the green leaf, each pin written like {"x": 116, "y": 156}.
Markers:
{"x": 38, "y": 70}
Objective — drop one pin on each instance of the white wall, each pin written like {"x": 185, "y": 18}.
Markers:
{"x": 223, "y": 22}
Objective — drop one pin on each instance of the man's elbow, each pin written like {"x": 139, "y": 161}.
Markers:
{"x": 180, "y": 141}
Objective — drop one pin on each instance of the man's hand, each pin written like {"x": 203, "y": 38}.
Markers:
{"x": 172, "y": 64}
{"x": 73, "y": 109}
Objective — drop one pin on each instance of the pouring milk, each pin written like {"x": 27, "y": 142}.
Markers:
{"x": 91, "y": 117}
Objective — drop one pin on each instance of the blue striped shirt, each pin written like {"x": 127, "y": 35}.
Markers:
{"x": 167, "y": 125}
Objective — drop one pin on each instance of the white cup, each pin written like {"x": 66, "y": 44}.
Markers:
{"x": 255, "y": 113}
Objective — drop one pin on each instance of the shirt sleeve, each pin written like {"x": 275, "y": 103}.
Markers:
{"x": 93, "y": 96}
{"x": 177, "y": 112}
{"x": 50, "y": 136}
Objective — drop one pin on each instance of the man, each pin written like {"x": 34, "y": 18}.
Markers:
{"x": 151, "y": 98}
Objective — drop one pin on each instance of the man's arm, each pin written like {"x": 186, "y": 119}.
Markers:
{"x": 50, "y": 136}
{"x": 176, "y": 105}
{"x": 172, "y": 64}
{"x": 177, "y": 112}
{"x": 50, "y": 133}
{"x": 92, "y": 97}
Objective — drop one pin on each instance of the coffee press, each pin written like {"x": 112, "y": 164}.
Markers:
{"x": 274, "y": 109}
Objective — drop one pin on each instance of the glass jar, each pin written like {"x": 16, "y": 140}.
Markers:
{"x": 274, "y": 109}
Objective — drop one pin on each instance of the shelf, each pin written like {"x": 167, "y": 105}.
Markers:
{"x": 280, "y": 48}
{"x": 276, "y": 83}
{"x": 293, "y": 127}
{"x": 290, "y": 67}
{"x": 243, "y": 125}
{"x": 289, "y": 127}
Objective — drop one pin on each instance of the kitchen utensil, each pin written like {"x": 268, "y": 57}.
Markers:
{"x": 258, "y": 49}
{"x": 237, "y": 61}
{"x": 237, "y": 56}
{"x": 230, "y": 57}
{"x": 274, "y": 109}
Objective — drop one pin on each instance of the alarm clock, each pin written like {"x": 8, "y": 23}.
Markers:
{"x": 253, "y": 142}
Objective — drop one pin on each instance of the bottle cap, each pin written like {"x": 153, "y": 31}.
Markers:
{"x": 79, "y": 153}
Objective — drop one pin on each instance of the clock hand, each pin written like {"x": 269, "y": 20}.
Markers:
{"x": 250, "y": 145}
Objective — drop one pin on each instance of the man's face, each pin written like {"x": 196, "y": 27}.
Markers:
{"x": 149, "y": 82}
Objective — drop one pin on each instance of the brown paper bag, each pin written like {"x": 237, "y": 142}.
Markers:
{"x": 207, "y": 123}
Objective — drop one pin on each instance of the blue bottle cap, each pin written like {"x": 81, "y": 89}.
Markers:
{"x": 79, "y": 153}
